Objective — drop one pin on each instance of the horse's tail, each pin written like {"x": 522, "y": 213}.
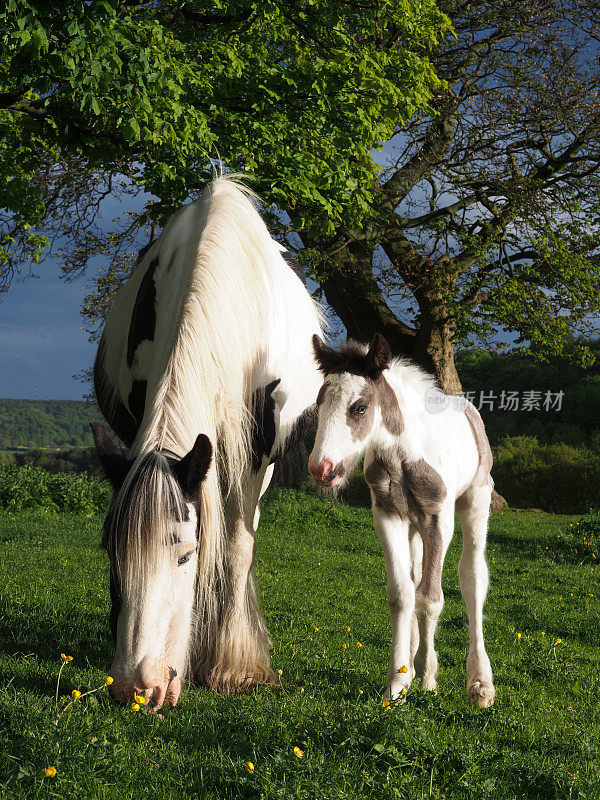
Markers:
{"x": 207, "y": 387}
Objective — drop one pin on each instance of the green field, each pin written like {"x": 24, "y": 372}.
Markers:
{"x": 317, "y": 569}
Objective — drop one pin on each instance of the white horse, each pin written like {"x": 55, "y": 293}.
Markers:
{"x": 206, "y": 372}
{"x": 425, "y": 455}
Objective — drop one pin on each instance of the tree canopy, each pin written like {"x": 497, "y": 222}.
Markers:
{"x": 488, "y": 212}
{"x": 137, "y": 95}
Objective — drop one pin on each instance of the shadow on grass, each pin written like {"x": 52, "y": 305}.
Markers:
{"x": 27, "y": 629}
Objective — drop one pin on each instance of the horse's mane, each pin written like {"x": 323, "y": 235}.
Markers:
{"x": 202, "y": 375}
{"x": 412, "y": 377}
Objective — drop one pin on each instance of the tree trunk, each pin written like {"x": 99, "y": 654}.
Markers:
{"x": 434, "y": 351}
{"x": 434, "y": 345}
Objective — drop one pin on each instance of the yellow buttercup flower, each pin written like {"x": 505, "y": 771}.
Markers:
{"x": 359, "y": 644}
{"x": 76, "y": 694}
{"x": 250, "y": 767}
{"x": 135, "y": 707}
{"x": 140, "y": 699}
{"x": 298, "y": 753}
{"x": 403, "y": 669}
{"x": 108, "y": 680}
{"x": 344, "y": 646}
{"x": 280, "y": 672}
{"x": 348, "y": 629}
{"x": 316, "y": 630}
{"x": 360, "y": 691}
{"x": 50, "y": 772}
{"x": 385, "y": 704}
{"x": 65, "y": 658}
{"x": 518, "y": 635}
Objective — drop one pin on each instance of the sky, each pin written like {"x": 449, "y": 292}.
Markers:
{"x": 43, "y": 344}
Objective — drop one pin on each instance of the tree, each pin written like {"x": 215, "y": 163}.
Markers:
{"x": 135, "y": 96}
{"x": 488, "y": 212}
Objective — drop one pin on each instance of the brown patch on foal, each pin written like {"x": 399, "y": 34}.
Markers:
{"x": 360, "y": 424}
{"x": 413, "y": 490}
{"x": 385, "y": 481}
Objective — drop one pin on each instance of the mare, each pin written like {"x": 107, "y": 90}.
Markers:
{"x": 206, "y": 373}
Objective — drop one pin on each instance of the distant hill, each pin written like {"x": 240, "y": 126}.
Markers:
{"x": 46, "y": 423}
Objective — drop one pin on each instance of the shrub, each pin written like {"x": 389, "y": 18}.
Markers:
{"x": 28, "y": 487}
{"x": 554, "y": 477}
{"x": 580, "y": 542}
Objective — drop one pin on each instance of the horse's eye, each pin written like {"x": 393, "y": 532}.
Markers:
{"x": 360, "y": 410}
{"x": 185, "y": 558}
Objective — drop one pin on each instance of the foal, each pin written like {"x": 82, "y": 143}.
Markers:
{"x": 426, "y": 455}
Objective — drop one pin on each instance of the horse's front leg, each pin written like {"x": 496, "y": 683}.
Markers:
{"x": 242, "y": 648}
{"x": 392, "y": 531}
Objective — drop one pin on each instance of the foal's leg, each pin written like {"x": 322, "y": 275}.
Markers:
{"x": 473, "y": 509}
{"x": 416, "y": 571}
{"x": 243, "y": 646}
{"x": 392, "y": 531}
{"x": 436, "y": 532}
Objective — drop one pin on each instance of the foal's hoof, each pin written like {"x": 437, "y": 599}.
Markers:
{"x": 396, "y": 692}
{"x": 481, "y": 694}
{"x": 429, "y": 685}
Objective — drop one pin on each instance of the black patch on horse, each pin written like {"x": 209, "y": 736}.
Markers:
{"x": 137, "y": 402}
{"x": 143, "y": 316}
{"x": 263, "y": 424}
{"x": 291, "y": 262}
{"x": 115, "y": 412}
{"x": 304, "y": 426}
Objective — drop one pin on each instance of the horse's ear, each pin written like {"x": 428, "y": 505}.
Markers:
{"x": 379, "y": 355}
{"x": 327, "y": 359}
{"x": 114, "y": 464}
{"x": 192, "y": 469}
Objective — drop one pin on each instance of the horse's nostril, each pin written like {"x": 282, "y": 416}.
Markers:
{"x": 326, "y": 468}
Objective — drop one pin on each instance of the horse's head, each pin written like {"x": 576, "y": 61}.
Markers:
{"x": 151, "y": 536}
{"x": 355, "y": 403}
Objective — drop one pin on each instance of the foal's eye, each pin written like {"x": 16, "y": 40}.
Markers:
{"x": 185, "y": 558}
{"x": 359, "y": 410}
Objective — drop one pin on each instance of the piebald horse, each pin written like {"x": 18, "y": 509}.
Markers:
{"x": 205, "y": 371}
{"x": 425, "y": 455}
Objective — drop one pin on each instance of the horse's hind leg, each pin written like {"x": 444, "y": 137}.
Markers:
{"x": 473, "y": 510}
{"x": 242, "y": 652}
{"x": 436, "y": 533}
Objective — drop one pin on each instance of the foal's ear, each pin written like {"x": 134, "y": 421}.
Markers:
{"x": 114, "y": 464}
{"x": 192, "y": 469}
{"x": 378, "y": 357}
{"x": 327, "y": 358}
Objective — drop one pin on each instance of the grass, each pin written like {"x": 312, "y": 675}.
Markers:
{"x": 316, "y": 569}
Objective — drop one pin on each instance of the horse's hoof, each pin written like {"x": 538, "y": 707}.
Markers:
{"x": 481, "y": 694}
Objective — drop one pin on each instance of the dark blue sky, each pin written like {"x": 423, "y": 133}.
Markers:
{"x": 42, "y": 341}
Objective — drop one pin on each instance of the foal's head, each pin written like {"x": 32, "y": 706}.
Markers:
{"x": 151, "y": 536}
{"x": 356, "y": 403}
